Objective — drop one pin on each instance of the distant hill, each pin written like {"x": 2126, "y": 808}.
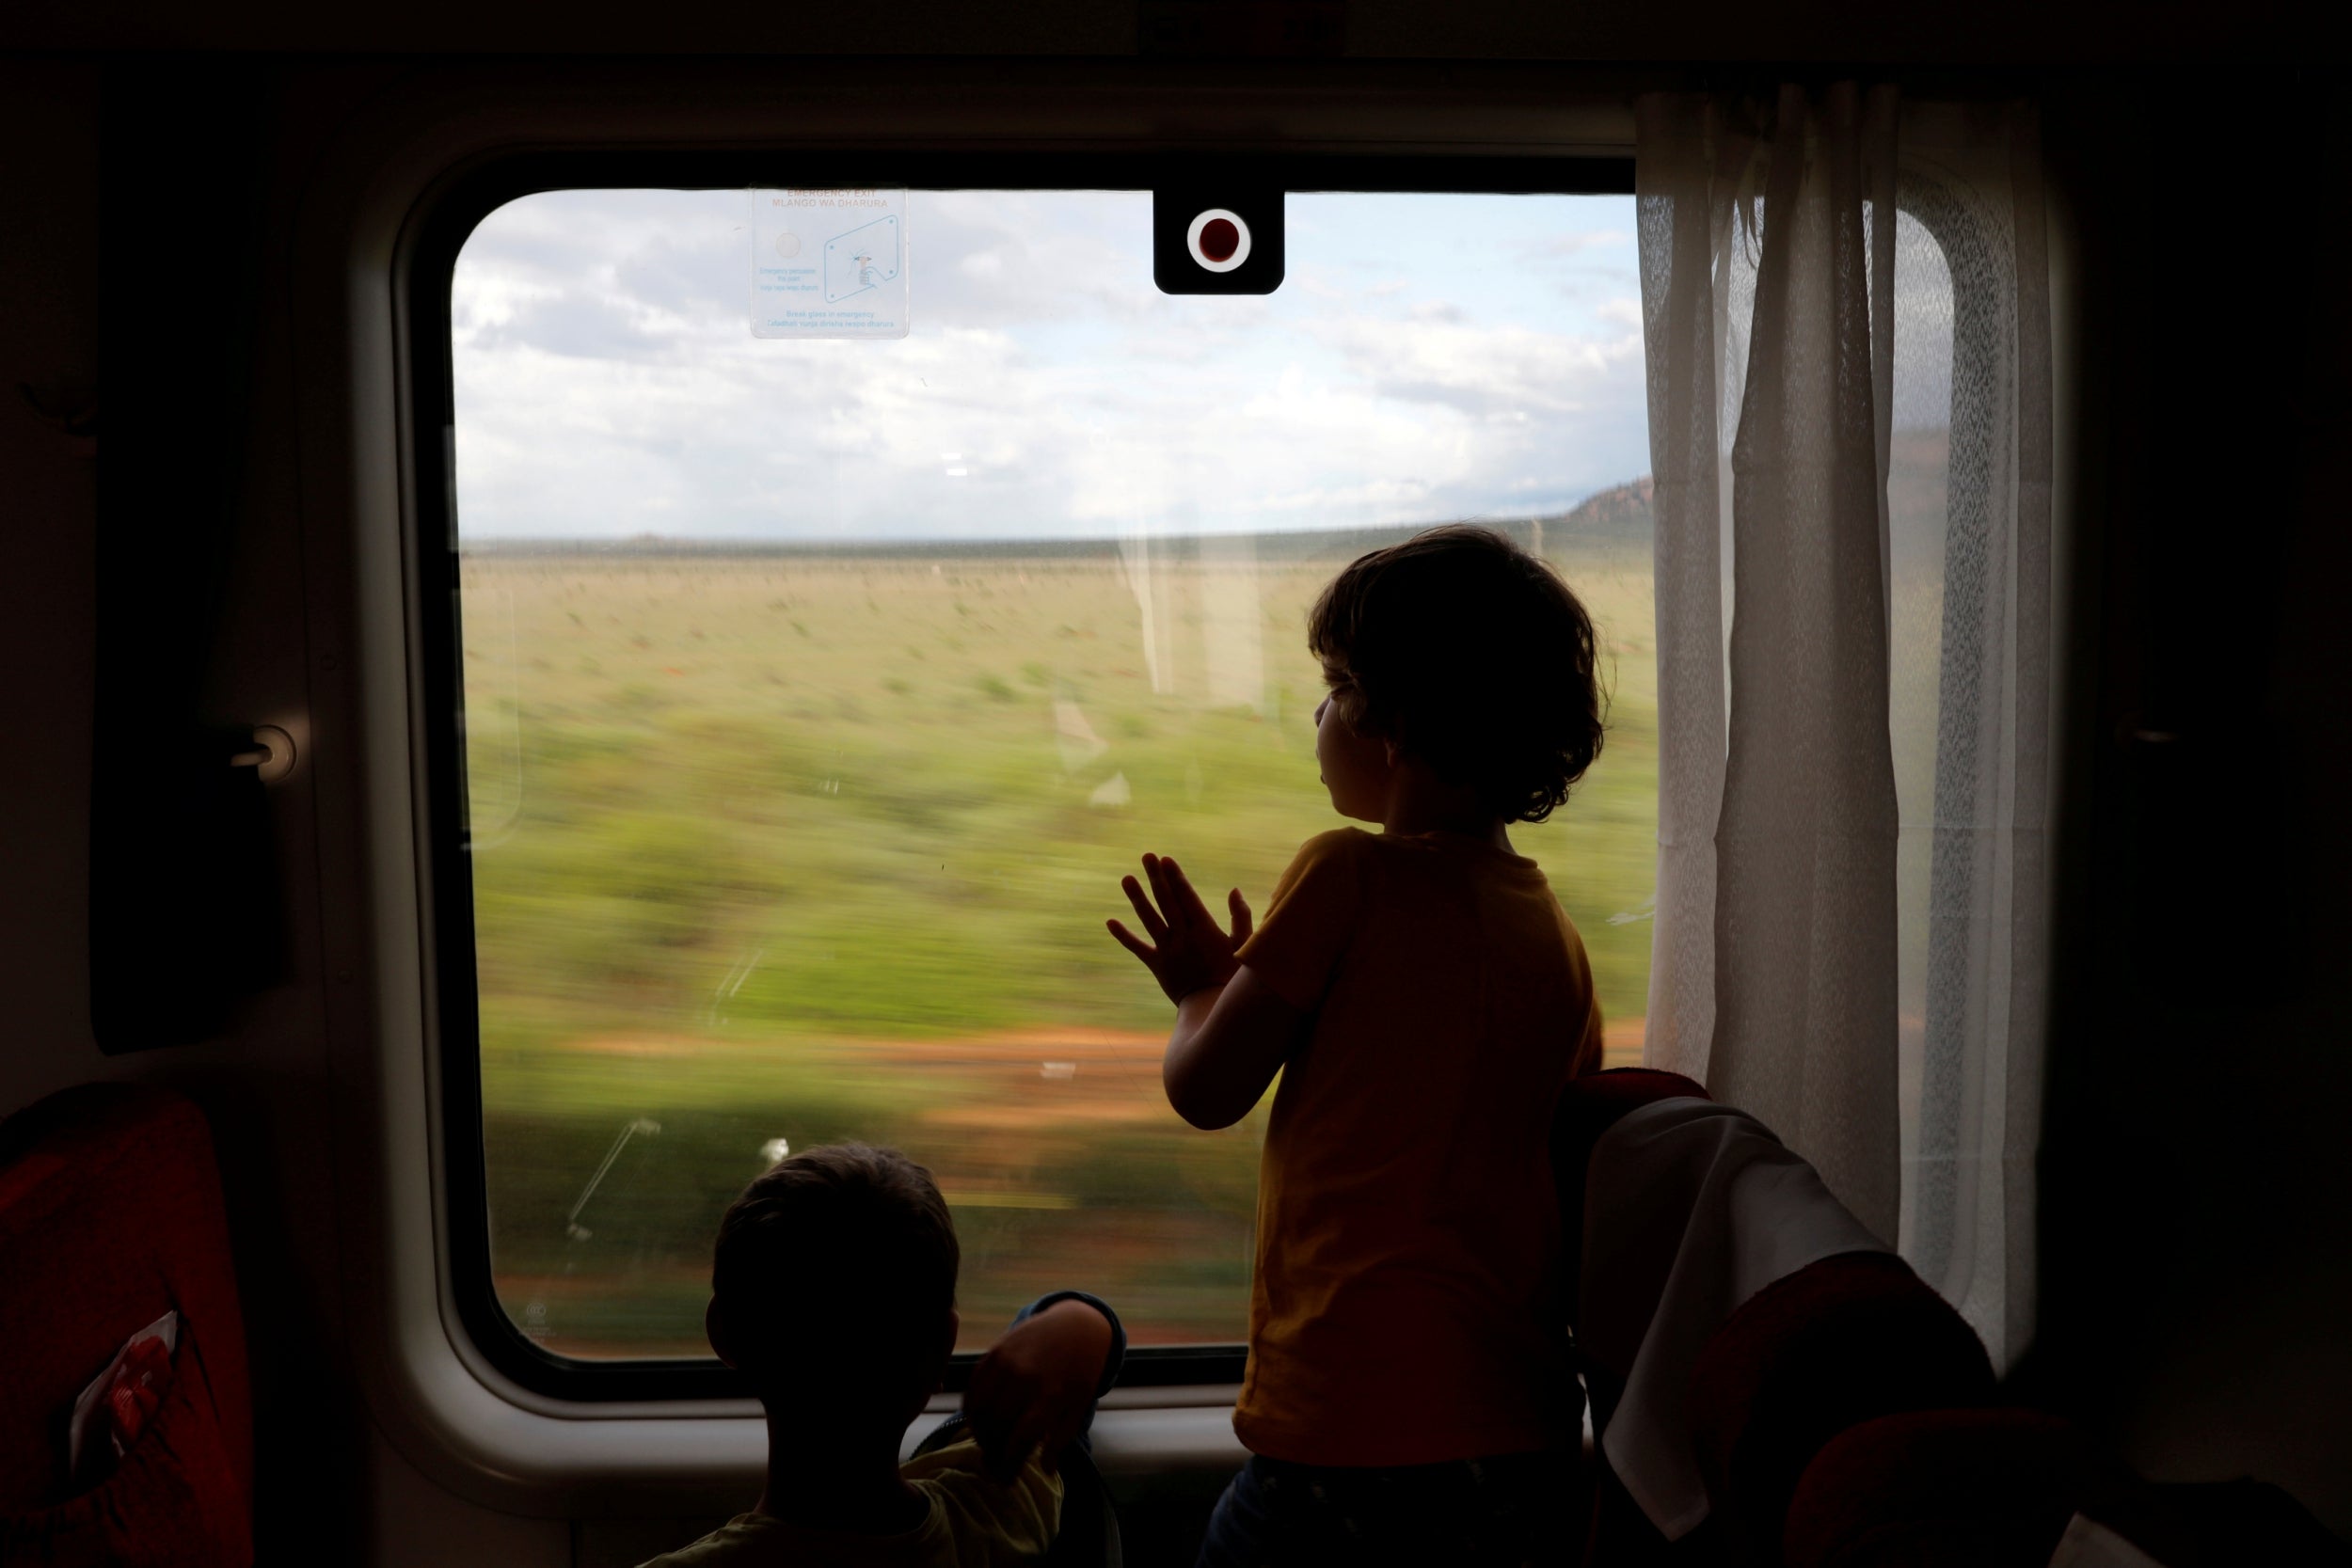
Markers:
{"x": 1616, "y": 518}
{"x": 1620, "y": 515}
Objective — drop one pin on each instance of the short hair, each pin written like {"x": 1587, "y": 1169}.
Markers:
{"x": 843, "y": 1248}
{"x": 1472, "y": 655}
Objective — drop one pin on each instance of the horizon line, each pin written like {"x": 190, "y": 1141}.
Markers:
{"x": 1001, "y": 542}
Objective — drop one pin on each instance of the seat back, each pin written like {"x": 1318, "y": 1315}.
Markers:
{"x": 1614, "y": 1530}
{"x": 111, "y": 1215}
{"x": 1931, "y": 1487}
{"x": 1844, "y": 1340}
{"x": 1589, "y": 1107}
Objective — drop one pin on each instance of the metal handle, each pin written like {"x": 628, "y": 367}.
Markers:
{"x": 272, "y": 753}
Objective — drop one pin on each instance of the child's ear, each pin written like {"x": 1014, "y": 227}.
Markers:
{"x": 715, "y": 1333}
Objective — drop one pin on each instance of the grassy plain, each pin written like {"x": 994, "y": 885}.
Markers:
{"x": 810, "y": 845}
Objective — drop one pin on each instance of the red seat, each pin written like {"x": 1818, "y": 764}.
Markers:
{"x": 1616, "y": 1530}
{"x": 1842, "y": 1341}
{"x": 111, "y": 1215}
{"x": 1589, "y": 1107}
{"x": 1844, "y": 1417}
{"x": 1933, "y": 1488}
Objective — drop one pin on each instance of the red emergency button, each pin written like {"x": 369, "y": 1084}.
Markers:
{"x": 1218, "y": 239}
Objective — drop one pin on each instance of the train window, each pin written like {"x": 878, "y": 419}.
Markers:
{"x": 815, "y": 693}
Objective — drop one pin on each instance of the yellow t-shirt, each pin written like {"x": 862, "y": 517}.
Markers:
{"x": 972, "y": 1523}
{"x": 1406, "y": 1306}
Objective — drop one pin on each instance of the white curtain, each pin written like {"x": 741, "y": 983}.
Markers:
{"x": 1845, "y": 315}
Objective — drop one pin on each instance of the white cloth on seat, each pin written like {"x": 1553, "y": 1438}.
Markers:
{"x": 1691, "y": 1207}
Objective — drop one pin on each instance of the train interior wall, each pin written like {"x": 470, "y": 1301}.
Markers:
{"x": 2196, "y": 1224}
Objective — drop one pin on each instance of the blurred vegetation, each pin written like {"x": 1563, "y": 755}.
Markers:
{"x": 817, "y": 846}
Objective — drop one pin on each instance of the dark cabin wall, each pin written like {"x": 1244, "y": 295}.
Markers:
{"x": 2199, "y": 1208}
{"x": 49, "y": 114}
{"x": 143, "y": 246}
{"x": 2197, "y": 1242}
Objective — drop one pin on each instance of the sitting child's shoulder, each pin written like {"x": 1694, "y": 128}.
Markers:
{"x": 968, "y": 1519}
{"x": 989, "y": 1521}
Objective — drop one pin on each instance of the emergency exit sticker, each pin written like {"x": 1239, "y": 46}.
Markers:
{"x": 829, "y": 264}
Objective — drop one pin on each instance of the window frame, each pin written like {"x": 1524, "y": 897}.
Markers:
{"x": 446, "y": 912}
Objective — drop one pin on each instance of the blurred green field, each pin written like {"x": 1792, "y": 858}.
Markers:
{"x": 819, "y": 844}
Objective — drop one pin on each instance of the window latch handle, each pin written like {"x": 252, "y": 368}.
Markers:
{"x": 272, "y": 755}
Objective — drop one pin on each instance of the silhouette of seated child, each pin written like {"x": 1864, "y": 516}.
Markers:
{"x": 832, "y": 1290}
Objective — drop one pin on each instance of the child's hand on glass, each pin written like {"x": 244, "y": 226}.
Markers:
{"x": 1034, "y": 1387}
{"x": 1188, "y": 950}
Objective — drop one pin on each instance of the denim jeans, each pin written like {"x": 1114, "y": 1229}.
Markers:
{"x": 1500, "y": 1512}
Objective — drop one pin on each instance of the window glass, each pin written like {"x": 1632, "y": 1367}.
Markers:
{"x": 1918, "y": 475}
{"x": 817, "y": 693}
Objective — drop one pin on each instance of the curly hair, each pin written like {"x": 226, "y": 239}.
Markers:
{"x": 1472, "y": 655}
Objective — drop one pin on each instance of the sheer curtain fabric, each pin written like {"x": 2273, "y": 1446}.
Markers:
{"x": 1846, "y": 321}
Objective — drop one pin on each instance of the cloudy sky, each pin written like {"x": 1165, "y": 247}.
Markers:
{"x": 1428, "y": 357}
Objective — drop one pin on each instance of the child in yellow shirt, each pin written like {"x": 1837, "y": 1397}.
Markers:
{"x": 1424, "y": 999}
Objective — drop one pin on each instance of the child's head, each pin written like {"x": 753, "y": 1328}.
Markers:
{"x": 834, "y": 1285}
{"x": 1460, "y": 649}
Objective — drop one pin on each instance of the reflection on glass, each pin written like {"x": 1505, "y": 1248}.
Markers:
{"x": 800, "y": 823}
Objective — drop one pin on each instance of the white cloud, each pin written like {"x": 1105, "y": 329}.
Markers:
{"x": 608, "y": 385}
{"x": 1592, "y": 239}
